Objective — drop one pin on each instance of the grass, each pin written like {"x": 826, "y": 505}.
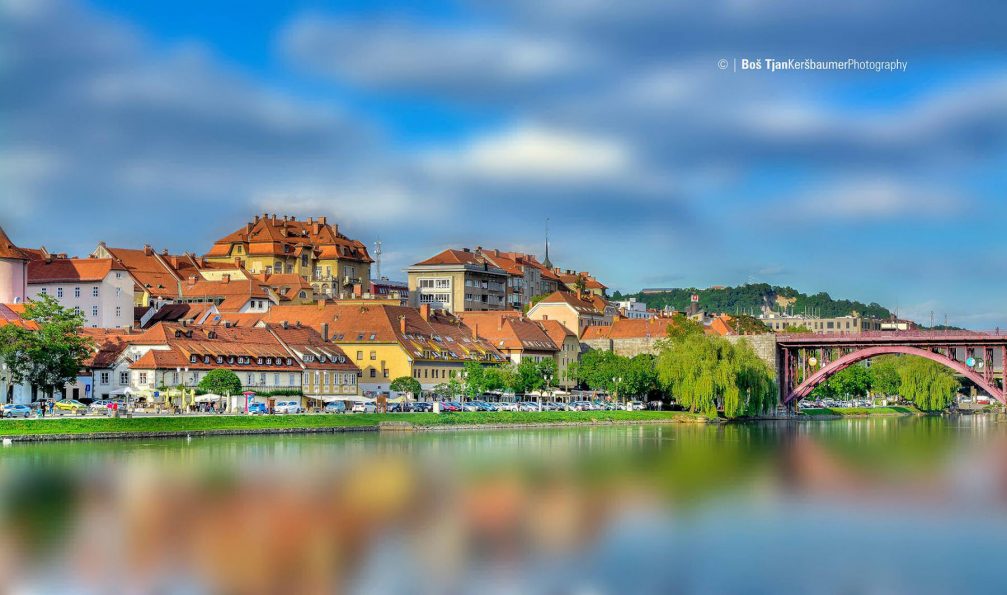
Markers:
{"x": 152, "y": 425}
{"x": 894, "y": 410}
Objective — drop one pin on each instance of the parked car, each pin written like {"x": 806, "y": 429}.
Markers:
{"x": 551, "y": 406}
{"x": 505, "y": 406}
{"x": 364, "y": 408}
{"x": 451, "y": 406}
{"x": 423, "y": 407}
{"x": 258, "y": 408}
{"x": 17, "y": 411}
{"x": 335, "y": 407}
{"x": 581, "y": 406}
{"x": 99, "y": 406}
{"x": 71, "y": 406}
{"x": 636, "y": 405}
{"x": 528, "y": 406}
{"x": 288, "y": 407}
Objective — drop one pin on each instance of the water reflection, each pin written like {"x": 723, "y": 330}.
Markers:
{"x": 889, "y": 505}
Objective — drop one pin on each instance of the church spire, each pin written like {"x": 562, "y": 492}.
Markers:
{"x": 547, "y": 263}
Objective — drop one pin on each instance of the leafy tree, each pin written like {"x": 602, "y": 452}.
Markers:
{"x": 548, "y": 369}
{"x": 527, "y": 377}
{"x": 596, "y": 369}
{"x": 854, "y": 381}
{"x": 451, "y": 389}
{"x": 638, "y": 376}
{"x": 927, "y": 384}
{"x": 885, "y": 377}
{"x": 743, "y": 324}
{"x": 475, "y": 379}
{"x": 221, "y": 382}
{"x": 494, "y": 379}
{"x": 406, "y": 384}
{"x": 49, "y": 356}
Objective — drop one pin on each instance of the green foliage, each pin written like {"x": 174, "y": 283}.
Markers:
{"x": 853, "y": 382}
{"x": 51, "y": 356}
{"x": 452, "y": 389}
{"x": 704, "y": 373}
{"x": 752, "y": 297}
{"x": 798, "y": 329}
{"x": 406, "y": 384}
{"x": 885, "y": 379}
{"x": 743, "y": 324}
{"x": 927, "y": 384}
{"x": 221, "y": 382}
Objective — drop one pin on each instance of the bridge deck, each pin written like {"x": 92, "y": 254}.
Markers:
{"x": 894, "y": 338}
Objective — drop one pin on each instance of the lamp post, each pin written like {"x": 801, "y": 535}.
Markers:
{"x": 548, "y": 383}
{"x": 615, "y": 386}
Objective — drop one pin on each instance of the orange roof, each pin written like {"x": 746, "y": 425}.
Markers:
{"x": 71, "y": 269}
{"x": 289, "y": 237}
{"x": 570, "y": 278}
{"x": 509, "y": 331}
{"x": 628, "y": 328}
{"x": 450, "y": 257}
{"x": 565, "y": 297}
{"x": 11, "y": 314}
{"x": 556, "y": 331}
{"x": 8, "y": 249}
{"x": 246, "y": 320}
{"x": 149, "y": 272}
{"x": 436, "y": 337}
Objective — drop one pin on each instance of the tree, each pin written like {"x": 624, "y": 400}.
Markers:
{"x": 49, "y": 356}
{"x": 885, "y": 377}
{"x": 450, "y": 389}
{"x": 799, "y": 329}
{"x": 220, "y": 382}
{"x": 406, "y": 384}
{"x": 854, "y": 381}
{"x": 638, "y": 376}
{"x": 548, "y": 369}
{"x": 527, "y": 377}
{"x": 927, "y": 384}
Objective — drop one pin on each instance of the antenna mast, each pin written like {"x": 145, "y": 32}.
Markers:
{"x": 377, "y": 256}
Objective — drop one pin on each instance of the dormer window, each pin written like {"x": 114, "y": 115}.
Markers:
{"x": 193, "y": 358}
{"x": 258, "y": 361}
{"x": 290, "y": 361}
{"x": 220, "y": 359}
{"x": 269, "y": 361}
{"x": 206, "y": 359}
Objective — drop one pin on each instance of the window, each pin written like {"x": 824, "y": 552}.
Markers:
{"x": 59, "y": 292}
{"x": 374, "y": 373}
{"x": 262, "y": 379}
{"x": 384, "y": 372}
{"x": 76, "y": 291}
{"x": 94, "y": 310}
{"x": 291, "y": 379}
{"x": 118, "y": 291}
{"x": 76, "y": 310}
{"x": 142, "y": 377}
{"x": 302, "y": 295}
{"x": 374, "y": 355}
{"x": 304, "y": 260}
{"x": 123, "y": 377}
{"x": 360, "y": 355}
{"x": 193, "y": 358}
{"x": 118, "y": 311}
{"x": 103, "y": 377}
{"x": 118, "y": 275}
{"x": 94, "y": 291}
{"x": 276, "y": 379}
{"x": 44, "y": 291}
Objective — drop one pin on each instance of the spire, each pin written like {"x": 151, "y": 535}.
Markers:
{"x": 547, "y": 263}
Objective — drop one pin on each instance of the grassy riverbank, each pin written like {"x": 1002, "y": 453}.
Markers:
{"x": 860, "y": 411}
{"x": 266, "y": 423}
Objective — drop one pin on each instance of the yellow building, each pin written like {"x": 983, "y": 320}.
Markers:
{"x": 387, "y": 342}
{"x": 313, "y": 249}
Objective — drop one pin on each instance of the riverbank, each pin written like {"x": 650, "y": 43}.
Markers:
{"x": 76, "y": 428}
{"x": 837, "y": 412}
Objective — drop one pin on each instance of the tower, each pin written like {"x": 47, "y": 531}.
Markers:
{"x": 13, "y": 272}
{"x": 547, "y": 263}
{"x": 377, "y": 257}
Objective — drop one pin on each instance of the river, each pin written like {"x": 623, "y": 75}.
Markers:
{"x": 883, "y": 505}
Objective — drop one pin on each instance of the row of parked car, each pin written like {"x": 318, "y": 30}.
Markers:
{"x": 829, "y": 403}
{"x": 449, "y": 406}
{"x": 65, "y": 407}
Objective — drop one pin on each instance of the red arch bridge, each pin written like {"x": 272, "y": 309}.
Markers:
{"x": 805, "y": 361}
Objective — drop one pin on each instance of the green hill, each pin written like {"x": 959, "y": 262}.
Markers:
{"x": 753, "y": 297}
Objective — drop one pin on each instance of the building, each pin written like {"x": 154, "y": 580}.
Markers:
{"x": 569, "y": 350}
{"x": 100, "y": 289}
{"x": 312, "y": 249}
{"x": 627, "y": 337}
{"x": 387, "y": 342}
{"x": 631, "y": 308}
{"x": 853, "y": 324}
{"x": 512, "y": 334}
{"x": 458, "y": 281}
{"x": 328, "y": 374}
{"x": 528, "y": 278}
{"x": 581, "y": 281}
{"x": 384, "y": 289}
{"x": 575, "y": 313}
{"x": 13, "y": 271}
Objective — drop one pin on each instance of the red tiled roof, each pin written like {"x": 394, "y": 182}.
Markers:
{"x": 629, "y": 328}
{"x": 509, "y": 331}
{"x": 71, "y": 269}
{"x": 11, "y": 314}
{"x": 449, "y": 257}
{"x": 565, "y": 297}
{"x": 148, "y": 271}
{"x": 8, "y": 249}
{"x": 556, "y": 331}
{"x": 285, "y": 236}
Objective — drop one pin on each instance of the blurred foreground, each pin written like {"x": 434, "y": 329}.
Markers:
{"x": 872, "y": 505}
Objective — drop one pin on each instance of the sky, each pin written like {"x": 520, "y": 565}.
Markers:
{"x": 439, "y": 124}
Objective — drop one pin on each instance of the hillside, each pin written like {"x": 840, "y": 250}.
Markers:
{"x": 752, "y": 298}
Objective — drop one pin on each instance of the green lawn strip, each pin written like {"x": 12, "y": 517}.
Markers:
{"x": 72, "y": 425}
{"x": 894, "y": 410}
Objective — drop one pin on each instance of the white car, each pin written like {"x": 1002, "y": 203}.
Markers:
{"x": 505, "y": 406}
{"x": 364, "y": 408}
{"x": 636, "y": 405}
{"x": 528, "y": 406}
{"x": 288, "y": 407}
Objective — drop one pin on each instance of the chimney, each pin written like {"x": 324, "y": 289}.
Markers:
{"x": 316, "y": 228}
{"x": 500, "y": 320}
{"x": 256, "y": 221}
{"x": 321, "y": 303}
{"x": 425, "y": 311}
{"x": 248, "y": 226}
{"x": 192, "y": 279}
{"x": 225, "y": 279}
{"x": 147, "y": 250}
{"x": 402, "y": 324}
{"x": 475, "y": 331}
{"x": 545, "y": 317}
{"x": 311, "y": 220}
{"x": 321, "y": 220}
{"x": 325, "y": 331}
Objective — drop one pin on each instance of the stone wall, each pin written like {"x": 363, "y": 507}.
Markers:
{"x": 764, "y": 346}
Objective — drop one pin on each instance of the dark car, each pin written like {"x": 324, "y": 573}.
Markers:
{"x": 400, "y": 407}
{"x": 423, "y": 407}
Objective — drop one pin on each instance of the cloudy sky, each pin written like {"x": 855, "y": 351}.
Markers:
{"x": 442, "y": 124}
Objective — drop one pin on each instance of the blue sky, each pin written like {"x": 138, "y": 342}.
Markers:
{"x": 443, "y": 124}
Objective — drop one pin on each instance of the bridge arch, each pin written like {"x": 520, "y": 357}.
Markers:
{"x": 860, "y": 355}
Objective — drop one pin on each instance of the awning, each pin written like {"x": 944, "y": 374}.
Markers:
{"x": 351, "y": 398}
{"x": 208, "y": 398}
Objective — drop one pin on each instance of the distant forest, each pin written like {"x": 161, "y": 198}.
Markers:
{"x": 751, "y": 298}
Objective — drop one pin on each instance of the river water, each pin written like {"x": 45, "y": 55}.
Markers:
{"x": 886, "y": 505}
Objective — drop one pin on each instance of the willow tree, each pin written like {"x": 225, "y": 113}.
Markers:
{"x": 704, "y": 373}
{"x": 927, "y": 384}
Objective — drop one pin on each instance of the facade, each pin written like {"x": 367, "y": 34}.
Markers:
{"x": 100, "y": 289}
{"x": 328, "y": 374}
{"x": 822, "y": 326}
{"x": 512, "y": 334}
{"x": 632, "y": 308}
{"x": 458, "y": 281}
{"x": 569, "y": 350}
{"x": 13, "y": 271}
{"x": 627, "y": 337}
{"x": 312, "y": 249}
{"x": 387, "y": 342}
{"x": 384, "y": 289}
{"x": 527, "y": 277}
{"x": 574, "y": 313}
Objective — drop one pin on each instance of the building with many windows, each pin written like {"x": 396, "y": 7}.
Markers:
{"x": 99, "y": 289}
{"x": 312, "y": 249}
{"x": 458, "y": 281}
{"x": 853, "y": 324}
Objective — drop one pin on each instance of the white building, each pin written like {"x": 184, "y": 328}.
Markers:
{"x": 99, "y": 288}
{"x": 633, "y": 309}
